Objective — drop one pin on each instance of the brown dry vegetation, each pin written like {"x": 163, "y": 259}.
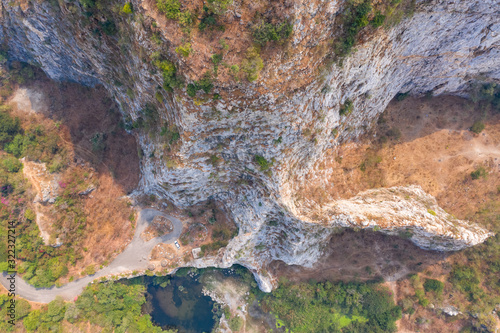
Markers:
{"x": 207, "y": 225}
{"x": 425, "y": 142}
{"x": 85, "y": 112}
{"x": 73, "y": 114}
{"x": 422, "y": 142}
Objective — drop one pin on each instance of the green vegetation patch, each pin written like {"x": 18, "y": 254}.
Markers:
{"x": 358, "y": 14}
{"x": 433, "y": 285}
{"x": 113, "y": 306}
{"x": 252, "y": 64}
{"x": 169, "y": 73}
{"x": 346, "y": 108}
{"x": 262, "y": 162}
{"x": 480, "y": 172}
{"x": 327, "y": 307}
{"x": 205, "y": 84}
{"x": 264, "y": 32}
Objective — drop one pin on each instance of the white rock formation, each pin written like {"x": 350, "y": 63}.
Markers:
{"x": 443, "y": 47}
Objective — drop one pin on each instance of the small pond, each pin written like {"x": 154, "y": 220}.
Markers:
{"x": 178, "y": 302}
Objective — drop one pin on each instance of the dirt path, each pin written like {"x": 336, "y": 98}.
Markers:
{"x": 134, "y": 257}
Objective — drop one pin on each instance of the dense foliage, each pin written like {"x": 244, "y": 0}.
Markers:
{"x": 327, "y": 307}
{"x": 205, "y": 84}
{"x": 115, "y": 307}
{"x": 169, "y": 73}
{"x": 40, "y": 265}
{"x": 264, "y": 32}
{"x": 357, "y": 14}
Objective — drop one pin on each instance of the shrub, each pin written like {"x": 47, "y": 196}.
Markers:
{"x": 30, "y": 215}
{"x": 465, "y": 278}
{"x": 17, "y": 146}
{"x": 170, "y": 134}
{"x": 191, "y": 90}
{"x": 185, "y": 20}
{"x": 236, "y": 323}
{"x": 218, "y": 7}
{"x": 252, "y": 64}
{"x": 433, "y": 285}
{"x": 346, "y": 108}
{"x": 90, "y": 270}
{"x": 477, "y": 127}
{"x": 109, "y": 27}
{"x": 171, "y": 8}
{"x": 209, "y": 20}
{"x": 97, "y": 140}
{"x": 402, "y": 96}
{"x": 216, "y": 58}
{"x": 9, "y": 127}
{"x": 480, "y": 172}
{"x": 354, "y": 18}
{"x": 205, "y": 84}
{"x": 88, "y": 4}
{"x": 168, "y": 70}
{"x": 262, "y": 162}
{"x": 11, "y": 164}
{"x": 378, "y": 20}
{"x": 394, "y": 133}
{"x": 184, "y": 50}
{"x": 127, "y": 8}
{"x": 264, "y": 32}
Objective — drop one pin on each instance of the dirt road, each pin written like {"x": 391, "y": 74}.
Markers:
{"x": 134, "y": 257}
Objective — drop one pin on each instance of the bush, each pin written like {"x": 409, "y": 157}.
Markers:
{"x": 209, "y": 20}
{"x": 477, "y": 127}
{"x": 465, "y": 278}
{"x": 171, "y": 8}
{"x": 252, "y": 64}
{"x": 11, "y": 164}
{"x": 9, "y": 127}
{"x": 433, "y": 285}
{"x": 185, "y": 20}
{"x": 127, "y": 8}
{"x": 168, "y": 70}
{"x": 378, "y": 20}
{"x": 30, "y": 215}
{"x": 170, "y": 134}
{"x": 262, "y": 162}
{"x": 346, "y": 108}
{"x": 236, "y": 323}
{"x": 264, "y": 32}
{"x": 109, "y": 27}
{"x": 354, "y": 18}
{"x": 205, "y": 84}
{"x": 184, "y": 50}
{"x": 218, "y": 7}
{"x": 402, "y": 96}
{"x": 480, "y": 172}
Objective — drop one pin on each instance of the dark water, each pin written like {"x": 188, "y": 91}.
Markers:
{"x": 177, "y": 302}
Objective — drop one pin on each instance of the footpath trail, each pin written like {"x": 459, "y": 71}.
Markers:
{"x": 134, "y": 257}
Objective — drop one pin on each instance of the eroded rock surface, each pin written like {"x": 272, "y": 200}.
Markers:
{"x": 287, "y": 117}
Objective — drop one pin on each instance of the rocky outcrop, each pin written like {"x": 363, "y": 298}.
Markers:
{"x": 441, "y": 48}
{"x": 47, "y": 188}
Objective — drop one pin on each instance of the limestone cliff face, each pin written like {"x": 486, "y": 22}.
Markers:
{"x": 287, "y": 116}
